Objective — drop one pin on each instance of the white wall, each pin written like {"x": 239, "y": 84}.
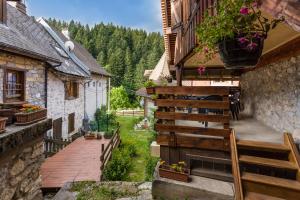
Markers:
{"x": 59, "y": 107}
{"x": 96, "y": 94}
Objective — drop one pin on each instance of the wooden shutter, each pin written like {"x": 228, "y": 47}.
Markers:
{"x": 57, "y": 128}
{"x": 71, "y": 122}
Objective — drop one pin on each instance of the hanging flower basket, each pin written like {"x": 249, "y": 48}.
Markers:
{"x": 166, "y": 171}
{"x": 2, "y": 124}
{"x": 25, "y": 118}
{"x": 238, "y": 54}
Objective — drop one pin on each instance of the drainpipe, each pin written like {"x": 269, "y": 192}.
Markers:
{"x": 108, "y": 96}
{"x": 46, "y": 86}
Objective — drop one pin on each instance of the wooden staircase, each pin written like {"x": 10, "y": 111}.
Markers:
{"x": 265, "y": 171}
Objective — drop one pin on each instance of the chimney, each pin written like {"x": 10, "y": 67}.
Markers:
{"x": 18, "y": 4}
{"x": 3, "y": 12}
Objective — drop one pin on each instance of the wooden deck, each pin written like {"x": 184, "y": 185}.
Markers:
{"x": 79, "y": 161}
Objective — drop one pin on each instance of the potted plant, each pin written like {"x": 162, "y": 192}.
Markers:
{"x": 150, "y": 87}
{"x": 30, "y": 114}
{"x": 176, "y": 172}
{"x": 2, "y": 124}
{"x": 108, "y": 134}
{"x": 237, "y": 32}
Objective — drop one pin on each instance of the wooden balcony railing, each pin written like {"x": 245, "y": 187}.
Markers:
{"x": 193, "y": 12}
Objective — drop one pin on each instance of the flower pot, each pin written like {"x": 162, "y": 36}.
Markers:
{"x": 9, "y": 114}
{"x": 2, "y": 124}
{"x": 238, "y": 56}
{"x": 150, "y": 90}
{"x": 23, "y": 119}
{"x": 169, "y": 173}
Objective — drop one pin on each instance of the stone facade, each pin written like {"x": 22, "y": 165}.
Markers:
{"x": 20, "y": 162}
{"x": 59, "y": 107}
{"x": 96, "y": 94}
{"x": 35, "y": 76}
{"x": 271, "y": 94}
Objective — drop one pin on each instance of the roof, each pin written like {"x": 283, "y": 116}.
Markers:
{"x": 142, "y": 92}
{"x": 23, "y": 35}
{"x": 86, "y": 58}
{"x": 161, "y": 69}
{"x": 69, "y": 63}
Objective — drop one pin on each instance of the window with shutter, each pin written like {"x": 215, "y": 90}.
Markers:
{"x": 71, "y": 122}
{"x": 72, "y": 90}
{"x": 57, "y": 128}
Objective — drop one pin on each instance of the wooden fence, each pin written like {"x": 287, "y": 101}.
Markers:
{"x": 107, "y": 150}
{"x": 52, "y": 146}
{"x": 130, "y": 113}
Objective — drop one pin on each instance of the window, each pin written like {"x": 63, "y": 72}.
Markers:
{"x": 100, "y": 84}
{"x": 72, "y": 90}
{"x": 71, "y": 123}
{"x": 94, "y": 84}
{"x": 14, "y": 86}
{"x": 57, "y": 128}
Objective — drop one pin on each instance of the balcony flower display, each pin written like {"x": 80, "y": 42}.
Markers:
{"x": 30, "y": 114}
{"x": 237, "y": 32}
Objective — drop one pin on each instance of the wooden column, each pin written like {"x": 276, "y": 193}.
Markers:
{"x": 179, "y": 69}
{"x": 3, "y": 11}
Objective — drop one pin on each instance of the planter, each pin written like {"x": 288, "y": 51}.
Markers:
{"x": 23, "y": 119}
{"x": 236, "y": 56}
{"x": 150, "y": 90}
{"x": 166, "y": 171}
{"x": 9, "y": 114}
{"x": 2, "y": 124}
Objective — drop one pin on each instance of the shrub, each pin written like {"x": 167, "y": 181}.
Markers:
{"x": 151, "y": 163}
{"x": 119, "y": 98}
{"x": 130, "y": 149}
{"x": 105, "y": 121}
{"x": 118, "y": 167}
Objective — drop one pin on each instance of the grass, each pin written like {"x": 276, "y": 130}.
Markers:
{"x": 141, "y": 140}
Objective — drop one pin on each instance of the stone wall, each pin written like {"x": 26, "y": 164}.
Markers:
{"x": 35, "y": 76}
{"x": 59, "y": 107}
{"x": 21, "y": 155}
{"x": 271, "y": 94}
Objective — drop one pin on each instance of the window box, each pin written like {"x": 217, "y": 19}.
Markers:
{"x": 2, "y": 124}
{"x": 165, "y": 171}
{"x": 23, "y": 119}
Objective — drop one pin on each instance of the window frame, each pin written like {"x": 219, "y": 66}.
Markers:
{"x": 22, "y": 76}
{"x": 74, "y": 90}
{"x": 71, "y": 126}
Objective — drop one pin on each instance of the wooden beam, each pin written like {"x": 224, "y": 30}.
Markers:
{"x": 3, "y": 12}
{"x": 192, "y": 117}
{"x": 193, "y": 90}
{"x": 191, "y": 103}
{"x": 179, "y": 69}
{"x": 192, "y": 130}
{"x": 194, "y": 142}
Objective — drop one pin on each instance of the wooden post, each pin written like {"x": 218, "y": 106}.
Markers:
{"x": 179, "y": 69}
{"x": 102, "y": 148}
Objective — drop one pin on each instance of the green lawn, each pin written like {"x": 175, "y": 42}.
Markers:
{"x": 141, "y": 140}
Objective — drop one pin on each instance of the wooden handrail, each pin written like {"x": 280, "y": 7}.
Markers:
{"x": 236, "y": 168}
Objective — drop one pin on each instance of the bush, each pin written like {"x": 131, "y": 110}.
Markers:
{"x": 118, "y": 167}
{"x": 151, "y": 163}
{"x": 130, "y": 149}
{"x": 93, "y": 126}
{"x": 119, "y": 98}
{"x": 106, "y": 122}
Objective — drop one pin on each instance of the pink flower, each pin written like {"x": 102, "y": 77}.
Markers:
{"x": 201, "y": 70}
{"x": 244, "y": 11}
{"x": 206, "y": 50}
{"x": 257, "y": 36}
{"x": 255, "y": 5}
{"x": 252, "y": 46}
{"x": 243, "y": 40}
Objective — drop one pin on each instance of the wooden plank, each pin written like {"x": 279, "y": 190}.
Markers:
{"x": 185, "y": 90}
{"x": 192, "y": 117}
{"x": 192, "y": 130}
{"x": 279, "y": 164}
{"x": 193, "y": 142}
{"x": 192, "y": 103}
{"x": 257, "y": 196}
{"x": 236, "y": 168}
{"x": 262, "y": 146}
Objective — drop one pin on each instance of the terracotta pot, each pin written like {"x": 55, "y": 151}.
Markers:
{"x": 238, "y": 56}
{"x": 23, "y": 119}
{"x": 2, "y": 124}
{"x": 169, "y": 173}
{"x": 150, "y": 90}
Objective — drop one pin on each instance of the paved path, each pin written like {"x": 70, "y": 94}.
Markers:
{"x": 79, "y": 161}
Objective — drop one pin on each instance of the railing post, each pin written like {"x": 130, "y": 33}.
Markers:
{"x": 102, "y": 148}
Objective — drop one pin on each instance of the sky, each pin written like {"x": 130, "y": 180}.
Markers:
{"x": 143, "y": 14}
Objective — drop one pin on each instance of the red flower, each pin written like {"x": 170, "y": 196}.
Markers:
{"x": 201, "y": 70}
{"x": 244, "y": 11}
{"x": 243, "y": 40}
{"x": 252, "y": 46}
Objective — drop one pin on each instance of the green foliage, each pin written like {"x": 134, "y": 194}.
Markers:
{"x": 234, "y": 18}
{"x": 151, "y": 163}
{"x": 104, "y": 121}
{"x": 118, "y": 167}
{"x": 131, "y": 149}
{"x": 119, "y": 98}
{"x": 149, "y": 83}
{"x": 124, "y": 52}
